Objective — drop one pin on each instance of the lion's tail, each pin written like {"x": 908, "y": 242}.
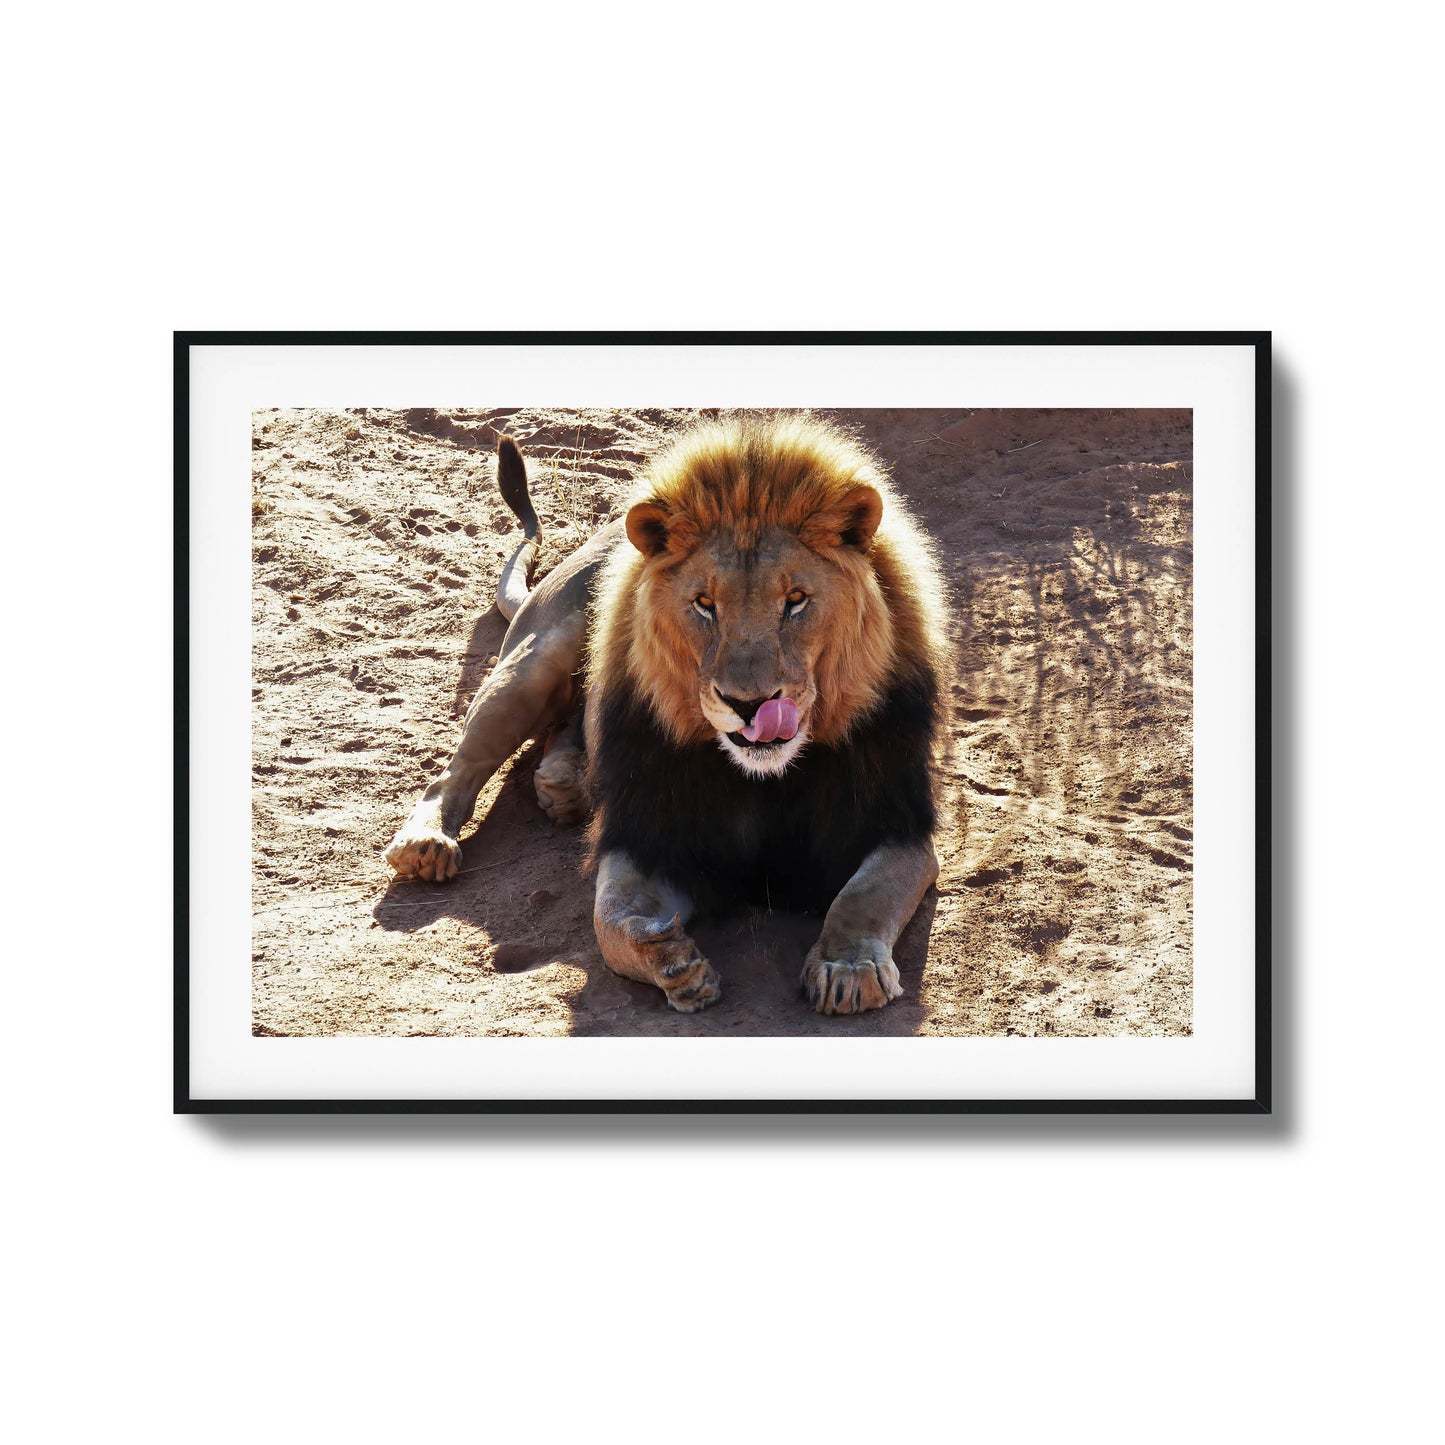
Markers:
{"x": 514, "y": 583}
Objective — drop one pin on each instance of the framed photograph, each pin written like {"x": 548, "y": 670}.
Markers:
{"x": 722, "y": 722}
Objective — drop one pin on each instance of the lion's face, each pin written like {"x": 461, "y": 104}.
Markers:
{"x": 755, "y": 622}
{"x": 760, "y": 640}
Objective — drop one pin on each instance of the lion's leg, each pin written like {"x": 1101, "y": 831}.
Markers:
{"x": 639, "y": 922}
{"x": 529, "y": 689}
{"x": 851, "y": 967}
{"x": 561, "y": 775}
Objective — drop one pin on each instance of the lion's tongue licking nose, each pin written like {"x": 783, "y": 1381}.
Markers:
{"x": 775, "y": 721}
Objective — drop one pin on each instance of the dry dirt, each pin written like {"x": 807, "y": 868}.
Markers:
{"x": 1065, "y": 898}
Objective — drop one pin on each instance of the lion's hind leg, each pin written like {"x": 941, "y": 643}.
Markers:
{"x": 530, "y": 689}
{"x": 639, "y": 922}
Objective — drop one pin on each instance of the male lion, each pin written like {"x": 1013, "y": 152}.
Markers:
{"x": 762, "y": 690}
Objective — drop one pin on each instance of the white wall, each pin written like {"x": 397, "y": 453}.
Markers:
{"x": 1121, "y": 166}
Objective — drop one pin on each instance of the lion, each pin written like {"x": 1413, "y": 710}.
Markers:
{"x": 740, "y": 680}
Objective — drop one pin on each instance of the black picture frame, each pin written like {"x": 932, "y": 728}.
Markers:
{"x": 185, "y": 1101}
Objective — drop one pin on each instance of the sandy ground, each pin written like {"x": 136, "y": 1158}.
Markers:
{"x": 1065, "y": 898}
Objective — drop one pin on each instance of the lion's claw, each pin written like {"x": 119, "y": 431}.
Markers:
{"x": 851, "y": 978}
{"x": 695, "y": 990}
{"x": 687, "y": 979}
{"x": 429, "y": 855}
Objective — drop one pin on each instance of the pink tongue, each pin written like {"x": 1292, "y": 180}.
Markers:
{"x": 775, "y": 720}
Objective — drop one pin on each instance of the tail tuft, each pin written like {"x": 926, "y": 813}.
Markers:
{"x": 515, "y": 581}
{"x": 512, "y": 483}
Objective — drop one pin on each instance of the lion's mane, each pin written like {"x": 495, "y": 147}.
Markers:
{"x": 744, "y": 475}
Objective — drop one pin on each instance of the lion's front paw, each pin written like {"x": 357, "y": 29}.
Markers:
{"x": 850, "y": 978}
{"x": 424, "y": 853}
{"x": 660, "y": 952}
{"x": 560, "y": 787}
{"x": 681, "y": 972}
{"x": 691, "y": 984}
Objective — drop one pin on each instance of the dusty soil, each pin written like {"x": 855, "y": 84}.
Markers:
{"x": 1065, "y": 898}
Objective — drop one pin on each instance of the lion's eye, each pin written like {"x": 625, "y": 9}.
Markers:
{"x": 704, "y": 606}
{"x": 797, "y": 599}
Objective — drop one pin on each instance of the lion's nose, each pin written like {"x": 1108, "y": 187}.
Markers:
{"x": 746, "y": 708}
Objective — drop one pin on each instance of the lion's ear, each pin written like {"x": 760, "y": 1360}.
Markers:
{"x": 851, "y": 521}
{"x": 653, "y": 530}
{"x": 647, "y": 528}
